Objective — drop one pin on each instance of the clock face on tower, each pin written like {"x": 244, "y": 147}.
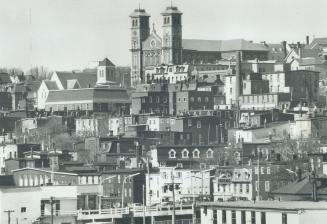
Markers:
{"x": 153, "y": 43}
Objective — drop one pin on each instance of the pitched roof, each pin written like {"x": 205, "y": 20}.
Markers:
{"x": 106, "y": 62}
{"x": 86, "y": 80}
{"x": 301, "y": 187}
{"x": 97, "y": 95}
{"x": 317, "y": 42}
{"x": 5, "y": 78}
{"x": 222, "y": 45}
{"x": 311, "y": 61}
{"x": 139, "y": 13}
{"x": 51, "y": 85}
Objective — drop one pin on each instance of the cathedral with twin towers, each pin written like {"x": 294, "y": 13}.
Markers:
{"x": 151, "y": 49}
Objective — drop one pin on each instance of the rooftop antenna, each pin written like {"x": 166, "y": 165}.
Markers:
{"x": 171, "y": 3}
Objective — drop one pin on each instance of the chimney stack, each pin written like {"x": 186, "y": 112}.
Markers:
{"x": 299, "y": 48}
{"x": 307, "y": 40}
{"x": 238, "y": 76}
{"x": 284, "y": 43}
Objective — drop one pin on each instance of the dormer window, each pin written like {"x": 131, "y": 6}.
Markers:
{"x": 196, "y": 153}
{"x": 209, "y": 153}
{"x": 172, "y": 154}
{"x": 185, "y": 153}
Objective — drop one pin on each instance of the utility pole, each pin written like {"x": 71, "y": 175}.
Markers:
{"x": 173, "y": 183}
{"x": 9, "y": 214}
{"x": 51, "y": 204}
{"x": 144, "y": 206}
{"x": 258, "y": 192}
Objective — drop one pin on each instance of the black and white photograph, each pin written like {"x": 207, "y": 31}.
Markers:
{"x": 163, "y": 112}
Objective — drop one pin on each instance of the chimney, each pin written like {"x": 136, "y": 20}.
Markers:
{"x": 284, "y": 43}
{"x": 25, "y": 139}
{"x": 299, "y": 48}
{"x": 307, "y": 40}
{"x": 238, "y": 76}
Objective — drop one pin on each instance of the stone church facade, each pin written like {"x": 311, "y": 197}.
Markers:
{"x": 150, "y": 49}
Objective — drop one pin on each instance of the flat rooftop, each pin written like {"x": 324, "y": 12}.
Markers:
{"x": 275, "y": 205}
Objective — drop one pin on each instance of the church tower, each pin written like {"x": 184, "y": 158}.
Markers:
{"x": 106, "y": 71}
{"x": 172, "y": 36}
{"x": 140, "y": 31}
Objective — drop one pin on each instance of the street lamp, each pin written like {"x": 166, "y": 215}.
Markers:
{"x": 101, "y": 184}
{"x": 122, "y": 189}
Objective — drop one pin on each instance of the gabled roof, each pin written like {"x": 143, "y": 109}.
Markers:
{"x": 86, "y": 80}
{"x": 222, "y": 45}
{"x": 318, "y": 42}
{"x": 51, "y": 85}
{"x": 5, "y": 78}
{"x": 97, "y": 95}
{"x": 106, "y": 62}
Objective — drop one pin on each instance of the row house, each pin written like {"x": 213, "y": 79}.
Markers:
{"x": 263, "y": 212}
{"x": 232, "y": 184}
{"x": 189, "y": 185}
{"x": 186, "y": 156}
{"x": 91, "y": 127}
{"x": 205, "y": 129}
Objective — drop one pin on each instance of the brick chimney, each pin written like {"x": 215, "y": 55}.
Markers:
{"x": 307, "y": 38}
{"x": 284, "y": 43}
{"x": 299, "y": 48}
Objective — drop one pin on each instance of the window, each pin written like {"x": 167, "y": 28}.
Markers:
{"x": 268, "y": 170}
{"x": 199, "y": 99}
{"x": 267, "y": 186}
{"x": 196, "y": 153}
{"x": 180, "y": 165}
{"x": 284, "y": 218}
{"x": 215, "y": 220}
{"x": 243, "y": 217}
{"x": 209, "y": 153}
{"x": 241, "y": 188}
{"x": 192, "y": 99}
{"x": 185, "y": 153}
{"x": 263, "y": 218}
{"x": 233, "y": 217}
{"x": 203, "y": 166}
{"x": 198, "y": 124}
{"x": 143, "y": 99}
{"x": 223, "y": 216}
{"x": 189, "y": 122}
{"x": 150, "y": 99}
{"x": 172, "y": 153}
{"x": 252, "y": 217}
{"x": 206, "y": 99}
{"x": 230, "y": 90}
{"x": 262, "y": 170}
{"x": 23, "y": 209}
{"x": 247, "y": 188}
{"x": 158, "y": 99}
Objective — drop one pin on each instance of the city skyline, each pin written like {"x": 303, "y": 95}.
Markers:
{"x": 78, "y": 33}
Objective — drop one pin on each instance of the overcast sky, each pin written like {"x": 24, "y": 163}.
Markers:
{"x": 68, "y": 34}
